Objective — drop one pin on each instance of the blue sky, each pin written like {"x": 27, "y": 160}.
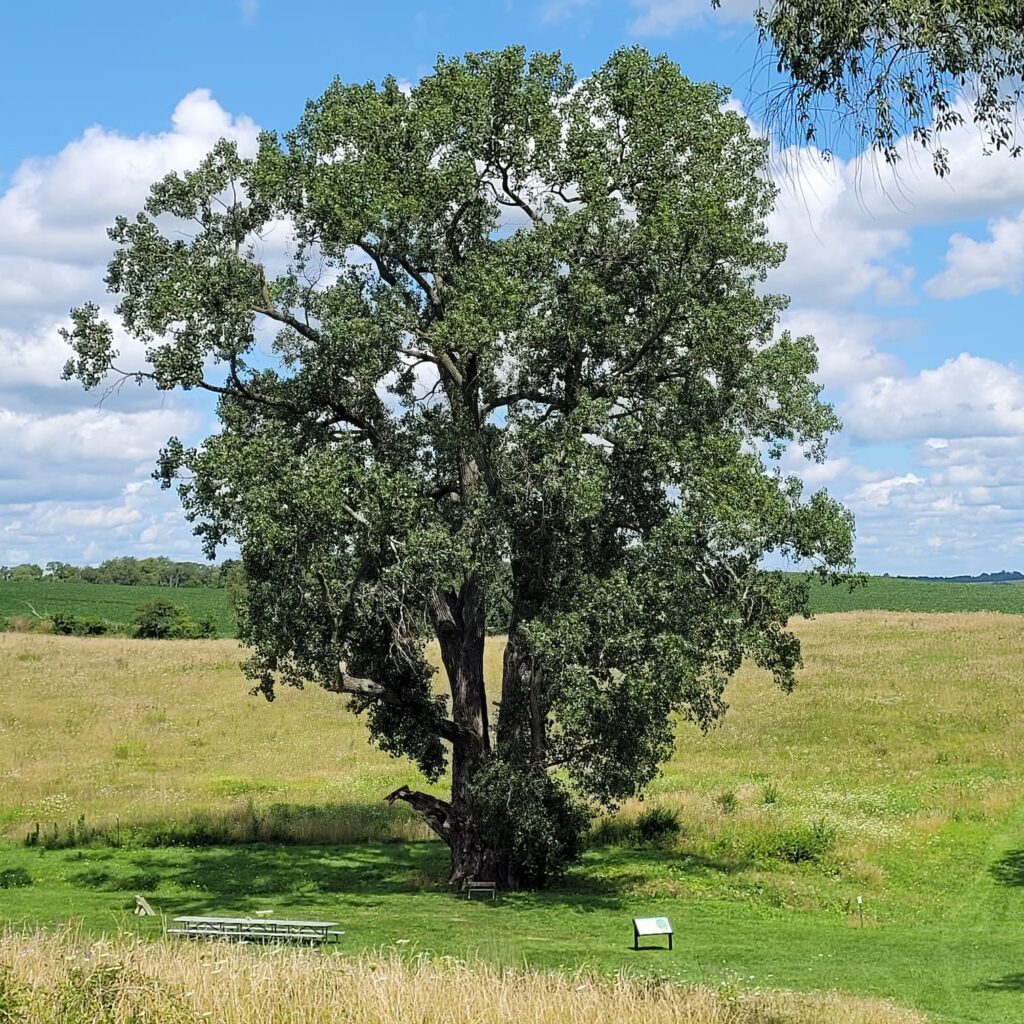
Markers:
{"x": 910, "y": 286}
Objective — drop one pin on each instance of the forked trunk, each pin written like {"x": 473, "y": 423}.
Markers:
{"x": 475, "y": 855}
{"x": 460, "y": 625}
{"x": 479, "y": 851}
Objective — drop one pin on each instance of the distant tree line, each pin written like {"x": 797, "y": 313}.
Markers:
{"x": 163, "y": 572}
{"x": 131, "y": 572}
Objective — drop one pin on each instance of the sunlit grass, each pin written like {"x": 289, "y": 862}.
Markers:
{"x": 900, "y": 725}
{"x": 58, "y": 979}
{"x": 894, "y": 773}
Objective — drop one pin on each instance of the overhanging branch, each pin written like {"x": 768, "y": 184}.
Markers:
{"x": 358, "y": 686}
{"x": 435, "y": 812}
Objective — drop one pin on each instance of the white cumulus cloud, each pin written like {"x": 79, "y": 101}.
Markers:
{"x": 74, "y": 466}
{"x": 848, "y": 343}
{"x": 964, "y": 397}
{"x": 977, "y": 266}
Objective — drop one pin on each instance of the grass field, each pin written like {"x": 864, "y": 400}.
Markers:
{"x": 894, "y": 773}
{"x": 112, "y": 603}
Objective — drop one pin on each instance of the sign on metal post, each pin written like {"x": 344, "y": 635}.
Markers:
{"x": 651, "y": 926}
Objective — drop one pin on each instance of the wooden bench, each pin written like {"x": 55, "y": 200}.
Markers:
{"x": 254, "y": 929}
{"x": 472, "y": 886}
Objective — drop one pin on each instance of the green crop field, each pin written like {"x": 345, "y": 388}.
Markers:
{"x": 890, "y": 593}
{"x": 115, "y": 604}
{"x": 895, "y": 773}
{"x": 112, "y": 603}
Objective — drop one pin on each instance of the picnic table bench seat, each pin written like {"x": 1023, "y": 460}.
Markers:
{"x": 254, "y": 928}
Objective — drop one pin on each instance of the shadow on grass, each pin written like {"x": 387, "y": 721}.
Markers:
{"x": 243, "y": 877}
{"x": 1007, "y": 983}
{"x": 1010, "y": 869}
{"x": 216, "y": 880}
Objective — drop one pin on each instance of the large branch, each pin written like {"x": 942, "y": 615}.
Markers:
{"x": 268, "y": 310}
{"x": 513, "y": 397}
{"x": 388, "y": 275}
{"x": 240, "y": 390}
{"x": 515, "y": 197}
{"x": 621, "y": 375}
{"x": 358, "y": 686}
{"x": 436, "y": 813}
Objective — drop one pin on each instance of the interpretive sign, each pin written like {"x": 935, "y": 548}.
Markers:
{"x": 651, "y": 926}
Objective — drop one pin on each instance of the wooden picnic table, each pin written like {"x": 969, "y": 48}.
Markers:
{"x": 262, "y": 929}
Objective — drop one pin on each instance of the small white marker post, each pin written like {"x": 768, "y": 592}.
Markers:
{"x": 860, "y": 909}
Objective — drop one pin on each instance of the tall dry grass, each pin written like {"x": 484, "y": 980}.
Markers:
{"x": 165, "y": 733}
{"x": 901, "y": 722}
{"x": 48, "y": 978}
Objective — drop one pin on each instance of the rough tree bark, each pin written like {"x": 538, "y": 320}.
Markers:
{"x": 460, "y": 624}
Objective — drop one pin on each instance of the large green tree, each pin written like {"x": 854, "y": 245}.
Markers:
{"x": 888, "y": 69}
{"x": 522, "y": 348}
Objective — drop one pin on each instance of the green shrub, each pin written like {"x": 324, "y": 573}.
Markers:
{"x": 535, "y": 816}
{"x": 14, "y": 878}
{"x": 161, "y": 620}
{"x": 66, "y": 624}
{"x": 798, "y": 844}
{"x": 205, "y": 628}
{"x": 652, "y": 826}
{"x": 657, "y": 824}
{"x": 727, "y": 801}
{"x": 769, "y": 794}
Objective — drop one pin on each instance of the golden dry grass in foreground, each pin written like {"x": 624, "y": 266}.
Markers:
{"x": 58, "y": 979}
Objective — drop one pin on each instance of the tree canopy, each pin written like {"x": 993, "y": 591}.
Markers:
{"x": 521, "y": 346}
{"x": 886, "y": 70}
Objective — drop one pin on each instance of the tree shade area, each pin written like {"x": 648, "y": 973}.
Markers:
{"x": 518, "y": 345}
{"x": 881, "y": 72}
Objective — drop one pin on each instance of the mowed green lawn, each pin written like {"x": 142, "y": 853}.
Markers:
{"x": 114, "y": 604}
{"x": 903, "y": 747}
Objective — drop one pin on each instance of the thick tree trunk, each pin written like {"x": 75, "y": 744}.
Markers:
{"x": 476, "y": 851}
{"x": 522, "y": 724}
{"x": 475, "y": 855}
{"x": 459, "y": 621}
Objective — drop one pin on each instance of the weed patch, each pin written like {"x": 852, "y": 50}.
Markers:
{"x": 14, "y": 878}
{"x": 798, "y": 844}
{"x": 653, "y": 826}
